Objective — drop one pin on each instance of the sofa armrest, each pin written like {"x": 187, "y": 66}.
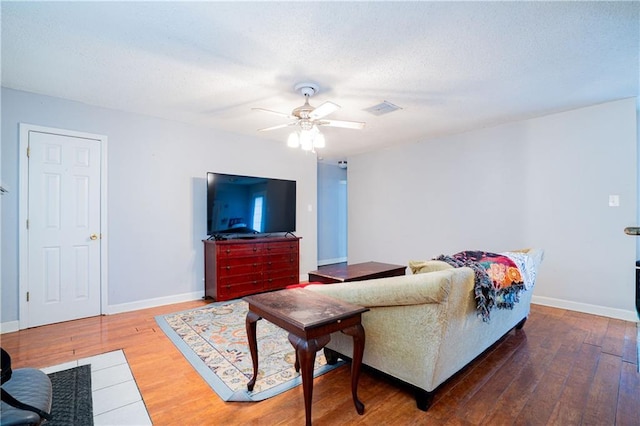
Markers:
{"x": 426, "y": 266}
{"x": 404, "y": 290}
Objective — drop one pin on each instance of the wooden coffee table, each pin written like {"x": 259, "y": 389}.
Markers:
{"x": 309, "y": 318}
{"x": 342, "y": 272}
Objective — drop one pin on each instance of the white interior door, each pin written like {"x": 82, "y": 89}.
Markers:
{"x": 64, "y": 245}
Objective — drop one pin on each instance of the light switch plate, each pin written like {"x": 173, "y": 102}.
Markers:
{"x": 614, "y": 200}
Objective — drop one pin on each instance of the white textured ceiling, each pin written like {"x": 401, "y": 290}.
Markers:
{"x": 451, "y": 66}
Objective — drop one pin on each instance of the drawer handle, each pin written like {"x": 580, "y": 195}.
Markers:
{"x": 228, "y": 267}
{"x": 255, "y": 249}
{"x": 228, "y": 251}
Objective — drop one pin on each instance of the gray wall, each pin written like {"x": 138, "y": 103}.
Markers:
{"x": 156, "y": 195}
{"x": 543, "y": 182}
{"x": 332, "y": 214}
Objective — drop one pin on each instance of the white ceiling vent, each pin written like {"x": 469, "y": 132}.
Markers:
{"x": 384, "y": 108}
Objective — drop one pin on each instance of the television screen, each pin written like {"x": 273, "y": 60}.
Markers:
{"x": 249, "y": 205}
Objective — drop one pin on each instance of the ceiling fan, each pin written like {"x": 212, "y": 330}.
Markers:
{"x": 307, "y": 117}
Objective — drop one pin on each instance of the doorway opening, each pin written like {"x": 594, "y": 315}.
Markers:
{"x": 332, "y": 214}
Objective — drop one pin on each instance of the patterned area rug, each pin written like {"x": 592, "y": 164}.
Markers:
{"x": 214, "y": 341}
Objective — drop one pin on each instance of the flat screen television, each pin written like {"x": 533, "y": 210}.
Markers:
{"x": 242, "y": 206}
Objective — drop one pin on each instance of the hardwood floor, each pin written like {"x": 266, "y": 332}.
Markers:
{"x": 563, "y": 368}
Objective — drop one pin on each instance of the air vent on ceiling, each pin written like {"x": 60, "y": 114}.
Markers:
{"x": 383, "y": 108}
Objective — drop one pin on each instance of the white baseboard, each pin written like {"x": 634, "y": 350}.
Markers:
{"x": 152, "y": 303}
{"x": 9, "y": 327}
{"x": 586, "y": 308}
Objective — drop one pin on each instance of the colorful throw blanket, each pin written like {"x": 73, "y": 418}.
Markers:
{"x": 498, "y": 281}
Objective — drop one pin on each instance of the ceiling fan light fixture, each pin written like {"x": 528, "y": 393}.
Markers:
{"x": 294, "y": 140}
{"x": 308, "y": 119}
{"x": 306, "y": 140}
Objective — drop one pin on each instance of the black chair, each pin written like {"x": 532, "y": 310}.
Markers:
{"x": 26, "y": 395}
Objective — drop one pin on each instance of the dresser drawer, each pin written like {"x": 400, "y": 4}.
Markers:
{"x": 280, "y": 258}
{"x": 254, "y": 275}
{"x": 282, "y": 248}
{"x": 280, "y": 280}
{"x": 234, "y": 250}
{"x": 240, "y": 270}
{"x": 233, "y": 290}
{"x": 277, "y": 264}
{"x": 239, "y": 265}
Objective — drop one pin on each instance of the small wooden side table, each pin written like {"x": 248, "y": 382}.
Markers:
{"x": 309, "y": 318}
{"x": 342, "y": 272}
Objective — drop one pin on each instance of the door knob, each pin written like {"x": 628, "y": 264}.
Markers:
{"x": 93, "y": 237}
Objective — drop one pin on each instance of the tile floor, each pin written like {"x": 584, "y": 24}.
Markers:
{"x": 116, "y": 398}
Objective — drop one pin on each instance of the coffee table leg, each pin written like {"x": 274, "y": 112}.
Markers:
{"x": 306, "y": 355}
{"x": 250, "y": 324}
{"x": 357, "y": 332}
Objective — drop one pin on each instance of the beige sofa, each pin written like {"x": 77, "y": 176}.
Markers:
{"x": 423, "y": 328}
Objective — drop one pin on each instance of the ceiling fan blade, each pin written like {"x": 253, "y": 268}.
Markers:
{"x": 324, "y": 109}
{"x": 279, "y": 126}
{"x": 281, "y": 114}
{"x": 344, "y": 124}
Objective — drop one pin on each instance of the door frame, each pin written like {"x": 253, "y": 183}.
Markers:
{"x": 23, "y": 214}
